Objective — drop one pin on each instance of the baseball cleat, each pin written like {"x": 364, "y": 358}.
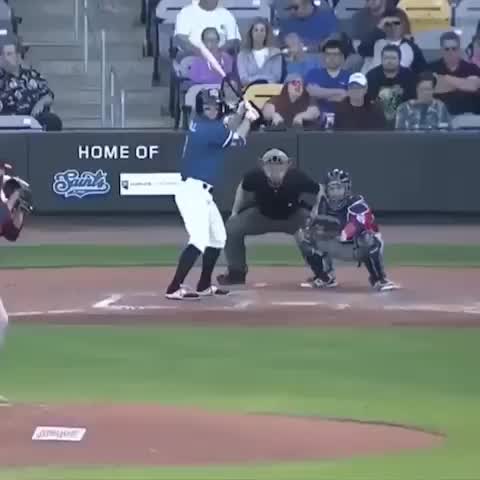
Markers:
{"x": 213, "y": 290}
{"x": 4, "y": 401}
{"x": 386, "y": 286}
{"x": 182, "y": 294}
{"x": 232, "y": 278}
{"x": 316, "y": 282}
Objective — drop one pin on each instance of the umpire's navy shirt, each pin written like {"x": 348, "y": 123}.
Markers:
{"x": 281, "y": 202}
{"x": 203, "y": 154}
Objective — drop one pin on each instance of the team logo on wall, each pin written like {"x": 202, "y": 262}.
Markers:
{"x": 74, "y": 184}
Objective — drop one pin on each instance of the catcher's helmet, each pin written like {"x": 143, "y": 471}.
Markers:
{"x": 209, "y": 96}
{"x": 338, "y": 187}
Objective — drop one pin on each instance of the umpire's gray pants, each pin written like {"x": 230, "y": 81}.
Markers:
{"x": 252, "y": 222}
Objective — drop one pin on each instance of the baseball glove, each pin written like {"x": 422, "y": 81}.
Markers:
{"x": 325, "y": 226}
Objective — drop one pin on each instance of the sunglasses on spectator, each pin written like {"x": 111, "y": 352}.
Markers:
{"x": 395, "y": 23}
{"x": 296, "y": 83}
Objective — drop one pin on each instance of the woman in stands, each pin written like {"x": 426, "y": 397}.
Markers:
{"x": 259, "y": 61}
{"x": 293, "y": 107}
{"x": 200, "y": 70}
{"x": 393, "y": 29}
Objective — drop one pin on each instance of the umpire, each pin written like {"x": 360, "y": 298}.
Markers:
{"x": 267, "y": 200}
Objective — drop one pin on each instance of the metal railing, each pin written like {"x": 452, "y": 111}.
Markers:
{"x": 113, "y": 83}
{"x": 85, "y": 36}
{"x": 76, "y": 18}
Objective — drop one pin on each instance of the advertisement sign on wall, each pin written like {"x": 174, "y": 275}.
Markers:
{"x": 149, "y": 184}
{"x": 74, "y": 184}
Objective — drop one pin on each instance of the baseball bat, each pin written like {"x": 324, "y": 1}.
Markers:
{"x": 210, "y": 58}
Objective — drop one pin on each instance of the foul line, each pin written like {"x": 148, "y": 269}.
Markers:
{"x": 109, "y": 301}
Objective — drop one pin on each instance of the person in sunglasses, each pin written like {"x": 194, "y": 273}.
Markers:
{"x": 458, "y": 81}
{"x": 393, "y": 29}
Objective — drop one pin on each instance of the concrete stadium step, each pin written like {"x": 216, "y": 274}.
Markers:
{"x": 133, "y": 123}
{"x": 66, "y": 34}
{"x": 125, "y": 68}
{"x": 114, "y": 52}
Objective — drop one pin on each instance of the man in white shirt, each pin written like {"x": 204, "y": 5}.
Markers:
{"x": 194, "y": 18}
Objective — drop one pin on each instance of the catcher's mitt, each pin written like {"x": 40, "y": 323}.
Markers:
{"x": 324, "y": 226}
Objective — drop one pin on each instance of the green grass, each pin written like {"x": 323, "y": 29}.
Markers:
{"x": 141, "y": 255}
{"x": 422, "y": 377}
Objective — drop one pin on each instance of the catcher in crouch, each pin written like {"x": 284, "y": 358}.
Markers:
{"x": 344, "y": 228}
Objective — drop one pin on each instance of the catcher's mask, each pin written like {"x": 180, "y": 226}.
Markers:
{"x": 275, "y": 163}
{"x": 209, "y": 103}
{"x": 338, "y": 187}
{"x": 11, "y": 185}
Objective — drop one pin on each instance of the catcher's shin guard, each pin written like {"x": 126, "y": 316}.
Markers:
{"x": 370, "y": 250}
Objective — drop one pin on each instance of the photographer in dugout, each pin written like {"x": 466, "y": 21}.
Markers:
{"x": 344, "y": 228}
{"x": 267, "y": 200}
{"x": 15, "y": 202}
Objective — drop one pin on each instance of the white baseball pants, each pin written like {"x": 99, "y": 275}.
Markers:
{"x": 3, "y": 322}
{"x": 200, "y": 214}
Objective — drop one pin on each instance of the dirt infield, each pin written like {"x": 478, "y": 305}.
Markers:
{"x": 169, "y": 436}
{"x": 272, "y": 297}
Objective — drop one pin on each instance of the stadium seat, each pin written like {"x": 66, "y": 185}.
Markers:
{"x": 259, "y": 94}
{"x": 5, "y": 12}
{"x": 427, "y": 15}
{"x": 467, "y": 14}
{"x": 18, "y": 122}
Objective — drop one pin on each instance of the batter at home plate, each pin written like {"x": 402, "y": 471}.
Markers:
{"x": 208, "y": 136}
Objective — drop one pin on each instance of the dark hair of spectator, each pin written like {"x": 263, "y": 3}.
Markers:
{"x": 427, "y": 77}
{"x": 402, "y": 16}
{"x": 445, "y": 37}
{"x": 392, "y": 48}
{"x": 268, "y": 33}
{"x": 333, "y": 44}
{"x": 210, "y": 29}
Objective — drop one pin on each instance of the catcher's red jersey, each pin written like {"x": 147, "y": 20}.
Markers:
{"x": 355, "y": 217}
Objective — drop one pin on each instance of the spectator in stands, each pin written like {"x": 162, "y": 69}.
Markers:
{"x": 293, "y": 107}
{"x": 297, "y": 58}
{"x": 23, "y": 91}
{"x": 193, "y": 19}
{"x": 458, "y": 81}
{"x": 329, "y": 85}
{"x": 357, "y": 112}
{"x": 425, "y": 112}
{"x": 366, "y": 20}
{"x": 391, "y": 84}
{"x": 473, "y": 50}
{"x": 259, "y": 60}
{"x": 311, "y": 23}
{"x": 201, "y": 71}
{"x": 393, "y": 29}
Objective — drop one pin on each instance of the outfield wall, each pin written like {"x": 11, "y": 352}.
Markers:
{"x": 111, "y": 171}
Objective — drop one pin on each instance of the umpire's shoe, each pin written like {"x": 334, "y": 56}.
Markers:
{"x": 182, "y": 294}
{"x": 213, "y": 291}
{"x": 232, "y": 277}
